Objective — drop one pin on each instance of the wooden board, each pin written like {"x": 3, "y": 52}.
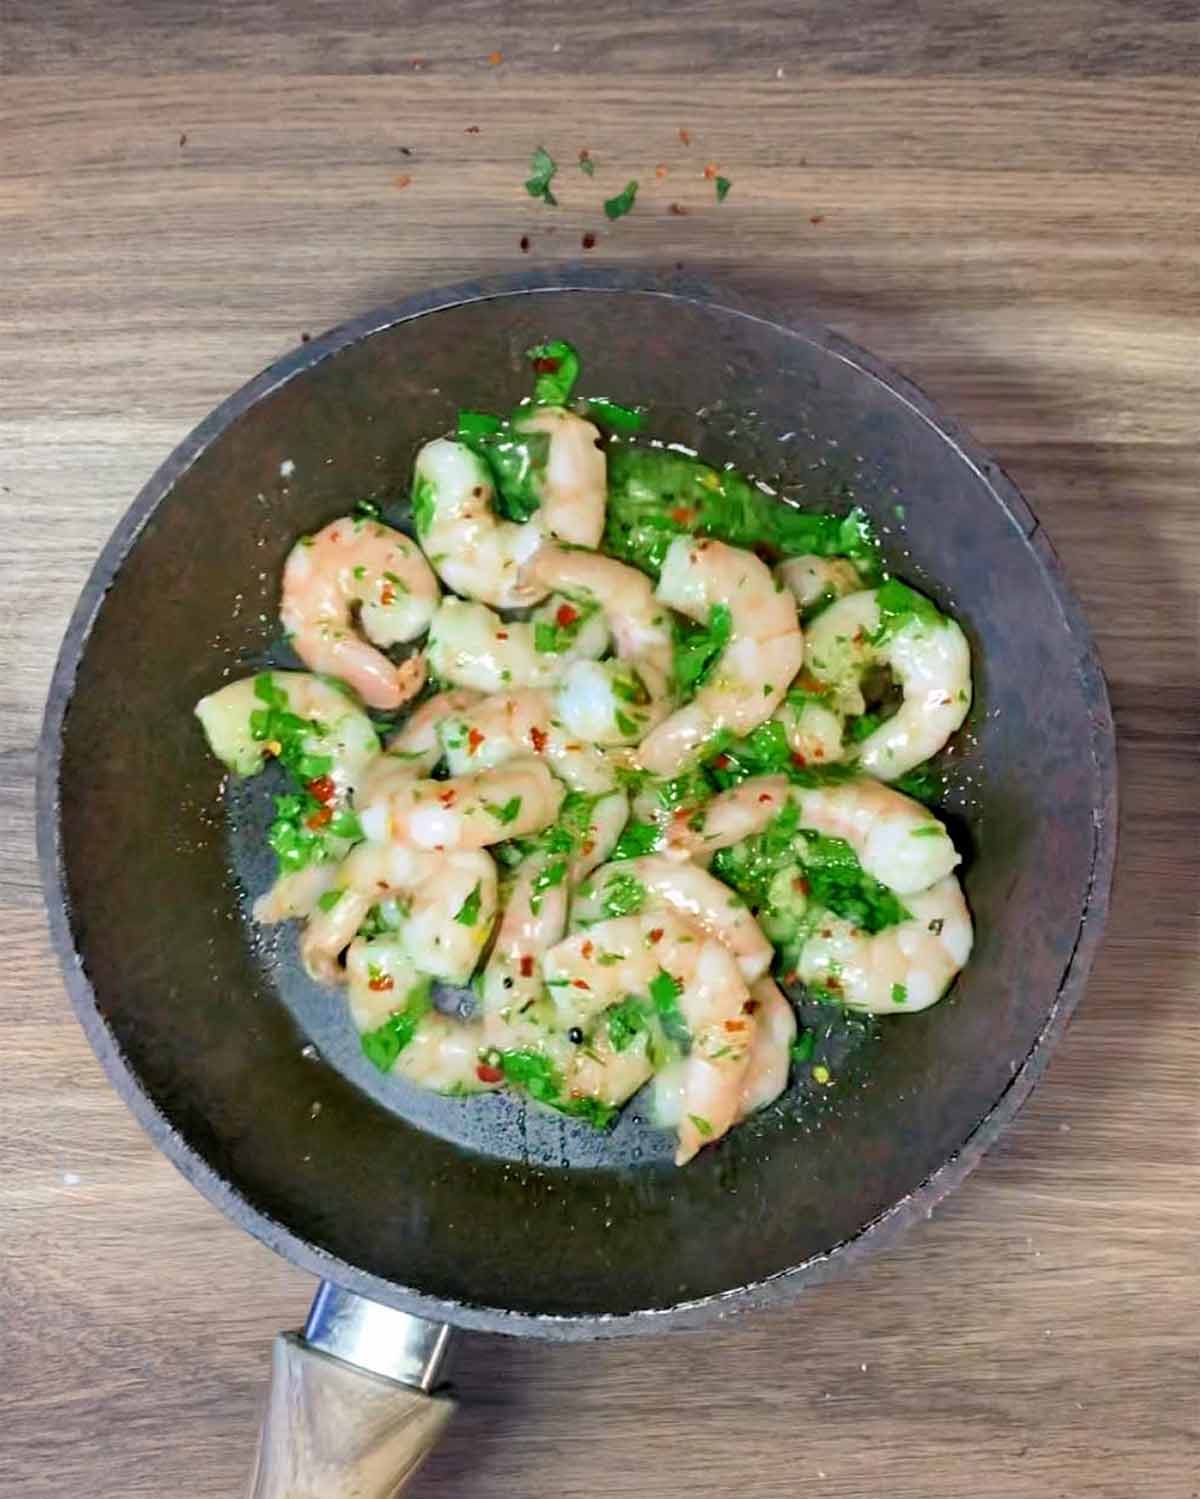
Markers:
{"x": 1006, "y": 204}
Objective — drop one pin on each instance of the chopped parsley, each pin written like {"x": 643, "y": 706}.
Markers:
{"x": 330, "y": 899}
{"x": 899, "y": 994}
{"x": 619, "y": 206}
{"x": 702, "y": 1126}
{"x": 552, "y": 636}
{"x": 542, "y": 168}
{"x": 698, "y": 647}
{"x": 366, "y": 510}
{"x": 626, "y": 1022}
{"x": 468, "y": 912}
{"x": 424, "y": 505}
{"x": 622, "y": 895}
{"x": 556, "y": 369}
{"x": 384, "y": 1044}
{"x": 627, "y": 420}
{"x": 801, "y": 1049}
{"x": 664, "y": 995}
{"x": 505, "y": 812}
{"x": 655, "y": 494}
{"x": 723, "y": 185}
{"x": 539, "y": 1077}
{"x": 637, "y": 838}
{"x": 546, "y": 878}
{"x": 900, "y": 605}
{"x": 838, "y": 882}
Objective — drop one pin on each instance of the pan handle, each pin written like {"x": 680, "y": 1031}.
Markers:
{"x": 350, "y": 1410}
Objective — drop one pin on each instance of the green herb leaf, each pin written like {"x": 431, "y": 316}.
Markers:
{"x": 618, "y": 207}
{"x": 625, "y": 1022}
{"x": 655, "y": 494}
{"x": 801, "y": 1049}
{"x": 703, "y": 1127}
{"x": 546, "y": 879}
{"x": 637, "y": 838}
{"x": 899, "y": 994}
{"x": 468, "y": 912}
{"x": 623, "y": 895}
{"x": 698, "y": 648}
{"x": 723, "y": 185}
{"x": 664, "y": 994}
{"x": 542, "y": 168}
{"x": 384, "y": 1044}
{"x": 612, "y": 415}
{"x": 424, "y": 506}
{"x": 330, "y": 899}
{"x": 556, "y": 369}
{"x": 899, "y": 606}
{"x": 506, "y": 812}
{"x": 586, "y": 165}
{"x": 366, "y": 510}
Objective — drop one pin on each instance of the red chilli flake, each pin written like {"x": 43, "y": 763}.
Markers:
{"x": 487, "y": 1074}
{"x": 589, "y": 241}
{"x": 447, "y": 797}
{"x": 323, "y": 789}
{"x": 711, "y": 169}
{"x": 381, "y": 984}
{"x": 817, "y": 218}
{"x": 735, "y": 1025}
{"x": 686, "y": 137}
{"x": 319, "y": 818}
{"x": 580, "y": 984}
{"x": 722, "y": 762}
{"x": 765, "y": 796}
{"x": 750, "y": 1007}
{"x": 537, "y": 737}
{"x": 587, "y": 949}
{"x": 798, "y": 759}
{"x": 527, "y": 967}
{"x": 547, "y": 365}
{"x": 655, "y": 936}
{"x": 387, "y": 594}
{"x": 501, "y": 634}
{"x": 587, "y": 847}
{"x": 474, "y": 740}
{"x": 679, "y": 211}
{"x": 682, "y": 516}
{"x": 566, "y": 615}
{"x": 471, "y": 130}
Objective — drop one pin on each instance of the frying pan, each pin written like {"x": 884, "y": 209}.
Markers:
{"x": 422, "y": 1213}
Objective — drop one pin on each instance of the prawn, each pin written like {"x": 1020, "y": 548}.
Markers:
{"x": 573, "y": 485}
{"x": 685, "y": 976}
{"x": 904, "y": 968}
{"x": 472, "y": 646}
{"x": 929, "y": 660}
{"x": 464, "y": 812}
{"x": 358, "y": 572}
{"x": 446, "y": 904}
{"x": 896, "y": 840}
{"x": 692, "y": 893}
{"x": 474, "y": 552}
{"x": 816, "y": 581}
{"x": 764, "y": 651}
{"x": 770, "y": 1054}
{"x": 611, "y": 702}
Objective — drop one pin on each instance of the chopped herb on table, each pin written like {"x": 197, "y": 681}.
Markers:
{"x": 617, "y": 207}
{"x": 542, "y": 168}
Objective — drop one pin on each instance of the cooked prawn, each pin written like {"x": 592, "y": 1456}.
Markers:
{"x": 416, "y": 743}
{"x": 472, "y": 646}
{"x": 763, "y": 654}
{"x": 897, "y": 840}
{"x": 693, "y": 893}
{"x": 901, "y": 969}
{"x": 474, "y": 552}
{"x": 816, "y": 581}
{"x": 770, "y": 1053}
{"x": 437, "y": 892}
{"x": 611, "y": 702}
{"x": 929, "y": 659}
{"x": 464, "y": 812}
{"x": 444, "y": 1056}
{"x": 573, "y": 485}
{"x": 358, "y": 572}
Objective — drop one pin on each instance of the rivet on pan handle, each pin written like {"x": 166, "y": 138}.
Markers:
{"x": 350, "y": 1410}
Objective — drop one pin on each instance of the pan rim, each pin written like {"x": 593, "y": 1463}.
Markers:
{"x": 786, "y": 1284}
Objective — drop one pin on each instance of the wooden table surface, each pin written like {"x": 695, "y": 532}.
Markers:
{"x": 1004, "y": 202}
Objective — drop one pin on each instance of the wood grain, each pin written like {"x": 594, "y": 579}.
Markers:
{"x": 1002, "y": 201}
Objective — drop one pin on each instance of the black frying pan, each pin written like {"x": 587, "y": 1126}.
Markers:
{"x": 483, "y": 1214}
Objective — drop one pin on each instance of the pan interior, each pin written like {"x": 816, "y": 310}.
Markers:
{"x": 256, "y": 1072}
